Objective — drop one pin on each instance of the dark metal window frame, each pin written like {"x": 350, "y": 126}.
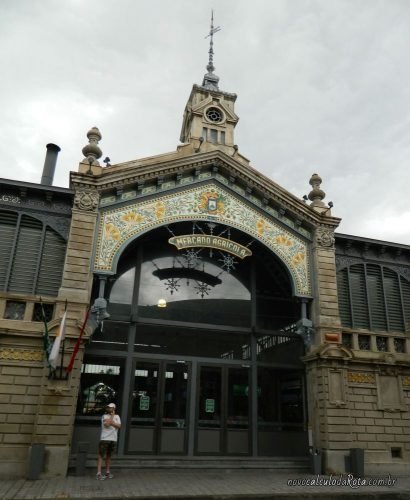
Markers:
{"x": 364, "y": 272}
{"x": 32, "y": 288}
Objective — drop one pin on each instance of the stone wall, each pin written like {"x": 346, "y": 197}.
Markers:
{"x": 37, "y": 409}
{"x": 360, "y": 405}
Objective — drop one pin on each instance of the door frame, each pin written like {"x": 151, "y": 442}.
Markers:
{"x": 157, "y": 427}
{"x": 224, "y": 369}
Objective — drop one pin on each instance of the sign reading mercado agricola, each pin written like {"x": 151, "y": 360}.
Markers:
{"x": 209, "y": 241}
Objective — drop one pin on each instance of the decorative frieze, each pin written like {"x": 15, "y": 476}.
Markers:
{"x": 21, "y": 355}
{"x": 210, "y": 202}
{"x": 361, "y": 378}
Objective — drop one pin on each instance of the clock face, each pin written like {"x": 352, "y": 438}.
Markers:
{"x": 214, "y": 115}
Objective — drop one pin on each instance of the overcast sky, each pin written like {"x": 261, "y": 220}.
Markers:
{"x": 323, "y": 86}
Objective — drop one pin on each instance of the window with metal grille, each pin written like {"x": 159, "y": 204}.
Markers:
{"x": 31, "y": 255}
{"x": 43, "y": 312}
{"x": 374, "y": 297}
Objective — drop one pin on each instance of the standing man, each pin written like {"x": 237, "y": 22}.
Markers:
{"x": 110, "y": 423}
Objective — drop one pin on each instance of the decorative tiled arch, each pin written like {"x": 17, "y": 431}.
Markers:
{"x": 118, "y": 226}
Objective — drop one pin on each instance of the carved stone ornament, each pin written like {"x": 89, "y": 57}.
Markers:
{"x": 361, "y": 378}
{"x": 86, "y": 200}
{"x": 325, "y": 237}
{"x": 20, "y": 355}
{"x": 342, "y": 261}
{"x": 406, "y": 381}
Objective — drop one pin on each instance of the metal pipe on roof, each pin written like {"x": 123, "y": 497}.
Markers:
{"x": 50, "y": 164}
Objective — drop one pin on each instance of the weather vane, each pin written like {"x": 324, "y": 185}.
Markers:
{"x": 212, "y": 30}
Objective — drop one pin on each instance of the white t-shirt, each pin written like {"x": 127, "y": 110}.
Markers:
{"x": 109, "y": 433}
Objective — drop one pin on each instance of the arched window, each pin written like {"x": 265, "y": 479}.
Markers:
{"x": 202, "y": 285}
{"x": 31, "y": 255}
{"x": 375, "y": 297}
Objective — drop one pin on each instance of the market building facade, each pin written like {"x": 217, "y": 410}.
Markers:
{"x": 229, "y": 320}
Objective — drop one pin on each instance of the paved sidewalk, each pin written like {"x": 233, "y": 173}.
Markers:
{"x": 200, "y": 485}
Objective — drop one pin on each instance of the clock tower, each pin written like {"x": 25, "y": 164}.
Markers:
{"x": 209, "y": 117}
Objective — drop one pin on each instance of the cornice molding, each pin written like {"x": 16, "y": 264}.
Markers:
{"x": 136, "y": 172}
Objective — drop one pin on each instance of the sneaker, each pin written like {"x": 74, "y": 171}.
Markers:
{"x": 108, "y": 475}
{"x": 99, "y": 477}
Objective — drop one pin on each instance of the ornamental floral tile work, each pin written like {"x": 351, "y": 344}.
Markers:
{"x": 118, "y": 226}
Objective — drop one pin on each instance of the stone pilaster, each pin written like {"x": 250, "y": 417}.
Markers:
{"x": 325, "y": 308}
{"x": 56, "y": 400}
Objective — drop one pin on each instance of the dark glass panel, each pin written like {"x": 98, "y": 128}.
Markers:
{"x": 122, "y": 290}
{"x": 364, "y": 342}
{"x": 111, "y": 335}
{"x": 206, "y": 295}
{"x": 175, "y": 395}
{"x": 275, "y": 307}
{"x": 14, "y": 310}
{"x": 399, "y": 345}
{"x": 268, "y": 403}
{"x": 198, "y": 285}
{"x": 100, "y": 384}
{"x": 191, "y": 342}
{"x": 210, "y": 397}
{"x": 43, "y": 311}
{"x": 291, "y": 400}
{"x": 145, "y": 394}
{"x": 347, "y": 340}
{"x": 381, "y": 343}
{"x": 279, "y": 349}
{"x": 238, "y": 398}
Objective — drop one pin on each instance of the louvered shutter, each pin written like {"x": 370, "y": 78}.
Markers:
{"x": 376, "y": 297}
{"x": 8, "y": 223}
{"x": 24, "y": 267}
{"x": 405, "y": 290}
{"x": 393, "y": 299}
{"x": 359, "y": 297}
{"x": 344, "y": 298}
{"x": 52, "y": 264}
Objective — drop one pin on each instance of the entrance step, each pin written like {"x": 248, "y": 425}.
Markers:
{"x": 143, "y": 462}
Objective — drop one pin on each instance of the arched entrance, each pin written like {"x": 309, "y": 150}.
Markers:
{"x": 216, "y": 371}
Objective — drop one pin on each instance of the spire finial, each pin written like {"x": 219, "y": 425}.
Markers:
{"x": 211, "y": 80}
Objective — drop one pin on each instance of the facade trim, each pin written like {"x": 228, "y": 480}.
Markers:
{"x": 119, "y": 226}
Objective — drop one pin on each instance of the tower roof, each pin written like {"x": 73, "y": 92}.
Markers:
{"x": 211, "y": 80}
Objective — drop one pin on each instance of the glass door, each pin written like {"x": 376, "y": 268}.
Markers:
{"x": 142, "y": 437}
{"x": 223, "y": 411}
{"x": 158, "y": 421}
{"x": 174, "y": 422}
{"x": 209, "y": 425}
{"x": 238, "y": 407}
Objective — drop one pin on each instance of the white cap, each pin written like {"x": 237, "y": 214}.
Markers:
{"x": 111, "y": 405}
